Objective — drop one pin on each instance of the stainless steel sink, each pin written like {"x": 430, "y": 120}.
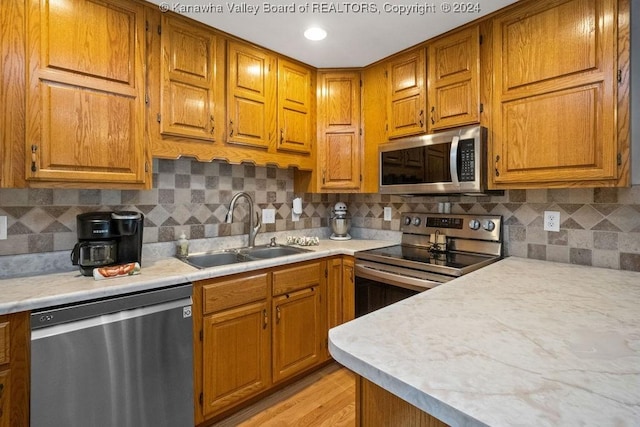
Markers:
{"x": 234, "y": 256}
{"x": 214, "y": 259}
{"x": 267, "y": 252}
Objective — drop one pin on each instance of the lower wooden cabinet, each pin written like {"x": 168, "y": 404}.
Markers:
{"x": 297, "y": 332}
{"x": 254, "y": 331}
{"x": 376, "y": 406}
{"x": 14, "y": 370}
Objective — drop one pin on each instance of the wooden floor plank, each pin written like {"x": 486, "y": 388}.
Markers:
{"x": 325, "y": 398}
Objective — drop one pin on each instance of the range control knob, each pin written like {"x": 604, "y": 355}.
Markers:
{"x": 489, "y": 225}
{"x": 407, "y": 220}
{"x": 474, "y": 224}
{"x": 416, "y": 221}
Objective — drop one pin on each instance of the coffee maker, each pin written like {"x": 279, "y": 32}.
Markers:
{"x": 107, "y": 238}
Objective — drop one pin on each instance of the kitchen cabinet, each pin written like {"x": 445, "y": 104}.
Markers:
{"x": 556, "y": 100}
{"x": 185, "y": 87}
{"x": 406, "y": 87}
{"x": 299, "y": 332}
{"x": 255, "y": 330}
{"x": 339, "y": 127}
{"x": 376, "y": 406}
{"x": 340, "y": 291}
{"x": 12, "y": 93}
{"x": 251, "y": 95}
{"x": 453, "y": 79}
{"x": 14, "y": 370}
{"x": 85, "y": 94}
{"x": 294, "y": 107}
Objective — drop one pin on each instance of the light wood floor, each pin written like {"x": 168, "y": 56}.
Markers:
{"x": 324, "y": 398}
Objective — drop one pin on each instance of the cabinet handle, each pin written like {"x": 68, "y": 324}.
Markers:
{"x": 231, "y": 127}
{"x": 352, "y": 278}
{"x": 421, "y": 118}
{"x": 265, "y": 319}
{"x": 433, "y": 112}
{"x": 323, "y": 176}
{"x": 277, "y": 314}
{"x": 497, "y": 171}
{"x": 281, "y": 135}
{"x": 34, "y": 148}
{"x": 213, "y": 124}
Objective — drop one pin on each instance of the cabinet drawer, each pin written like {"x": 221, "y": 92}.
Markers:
{"x": 294, "y": 278}
{"x": 234, "y": 292}
{"x": 4, "y": 342}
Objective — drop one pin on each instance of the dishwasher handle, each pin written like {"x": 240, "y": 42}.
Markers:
{"x": 58, "y": 315}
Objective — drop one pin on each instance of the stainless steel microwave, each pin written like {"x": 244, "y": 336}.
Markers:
{"x": 450, "y": 162}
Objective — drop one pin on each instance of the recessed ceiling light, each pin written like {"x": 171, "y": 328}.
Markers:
{"x": 315, "y": 33}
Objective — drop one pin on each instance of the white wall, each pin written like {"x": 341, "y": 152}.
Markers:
{"x": 635, "y": 92}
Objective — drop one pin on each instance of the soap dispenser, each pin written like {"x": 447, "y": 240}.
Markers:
{"x": 182, "y": 247}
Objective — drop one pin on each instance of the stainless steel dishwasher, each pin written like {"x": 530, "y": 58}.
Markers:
{"x": 123, "y": 361}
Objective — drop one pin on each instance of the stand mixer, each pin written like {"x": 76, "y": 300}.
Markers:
{"x": 340, "y": 222}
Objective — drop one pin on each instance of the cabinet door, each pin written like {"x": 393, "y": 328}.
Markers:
{"x": 235, "y": 356}
{"x": 454, "y": 90}
{"x": 5, "y": 387}
{"x": 406, "y": 89}
{"x": 339, "y": 149}
{"x": 297, "y": 332}
{"x": 250, "y": 96}
{"x": 188, "y": 71}
{"x": 334, "y": 292}
{"x": 85, "y": 107}
{"x": 555, "y": 97}
{"x": 294, "y": 107}
{"x": 348, "y": 289}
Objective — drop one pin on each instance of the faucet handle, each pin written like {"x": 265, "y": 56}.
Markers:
{"x": 273, "y": 242}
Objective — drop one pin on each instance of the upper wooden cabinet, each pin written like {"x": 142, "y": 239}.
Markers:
{"x": 251, "y": 95}
{"x": 556, "y": 95}
{"x": 85, "y": 93}
{"x": 339, "y": 147}
{"x": 188, "y": 71}
{"x": 453, "y": 80}
{"x": 294, "y": 107}
{"x": 406, "y": 94}
{"x": 185, "y": 86}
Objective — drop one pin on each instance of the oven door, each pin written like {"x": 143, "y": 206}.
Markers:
{"x": 378, "y": 285}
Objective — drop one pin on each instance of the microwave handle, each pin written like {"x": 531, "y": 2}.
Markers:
{"x": 453, "y": 160}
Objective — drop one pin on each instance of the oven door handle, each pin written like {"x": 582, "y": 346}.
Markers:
{"x": 403, "y": 281}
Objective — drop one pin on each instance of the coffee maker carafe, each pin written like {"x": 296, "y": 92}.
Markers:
{"x": 107, "y": 238}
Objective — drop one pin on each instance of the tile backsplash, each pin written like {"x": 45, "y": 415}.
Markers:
{"x": 599, "y": 227}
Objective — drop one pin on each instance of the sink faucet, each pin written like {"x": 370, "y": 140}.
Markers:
{"x": 253, "y": 227}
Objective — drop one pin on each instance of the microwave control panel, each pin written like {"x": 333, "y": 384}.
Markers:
{"x": 466, "y": 151}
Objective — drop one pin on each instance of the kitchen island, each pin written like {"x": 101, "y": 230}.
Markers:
{"x": 518, "y": 343}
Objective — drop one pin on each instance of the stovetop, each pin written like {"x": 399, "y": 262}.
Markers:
{"x": 472, "y": 241}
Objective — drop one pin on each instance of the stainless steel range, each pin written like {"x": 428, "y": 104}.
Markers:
{"x": 435, "y": 249}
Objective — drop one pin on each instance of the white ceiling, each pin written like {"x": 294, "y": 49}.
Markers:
{"x": 355, "y": 38}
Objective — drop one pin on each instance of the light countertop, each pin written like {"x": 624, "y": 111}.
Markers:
{"x": 518, "y": 343}
{"x": 33, "y": 292}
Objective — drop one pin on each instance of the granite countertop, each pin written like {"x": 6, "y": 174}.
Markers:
{"x": 33, "y": 292}
{"x": 518, "y": 343}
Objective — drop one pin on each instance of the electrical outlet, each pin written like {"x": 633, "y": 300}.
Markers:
{"x": 387, "y": 213}
{"x": 268, "y": 216}
{"x": 3, "y": 228}
{"x": 551, "y": 221}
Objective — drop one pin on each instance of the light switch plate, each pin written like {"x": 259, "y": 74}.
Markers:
{"x": 551, "y": 221}
{"x": 3, "y": 228}
{"x": 268, "y": 216}
{"x": 387, "y": 213}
